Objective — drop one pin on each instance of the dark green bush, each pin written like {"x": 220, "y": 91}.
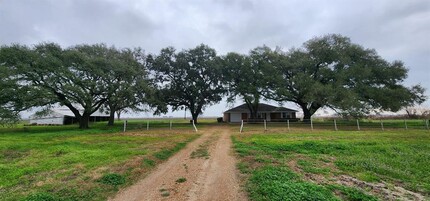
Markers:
{"x": 112, "y": 179}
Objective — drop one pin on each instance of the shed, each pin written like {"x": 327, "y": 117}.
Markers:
{"x": 63, "y": 116}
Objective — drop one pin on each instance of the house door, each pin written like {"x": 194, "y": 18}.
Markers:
{"x": 244, "y": 116}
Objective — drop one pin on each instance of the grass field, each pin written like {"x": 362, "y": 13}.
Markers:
{"x": 65, "y": 163}
{"x": 329, "y": 165}
{"x": 343, "y": 124}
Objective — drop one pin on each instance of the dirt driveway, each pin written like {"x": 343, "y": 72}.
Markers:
{"x": 204, "y": 170}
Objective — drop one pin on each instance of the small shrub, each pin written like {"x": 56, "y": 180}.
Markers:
{"x": 163, "y": 154}
{"x": 112, "y": 179}
{"x": 181, "y": 180}
{"x": 164, "y": 192}
{"x": 148, "y": 163}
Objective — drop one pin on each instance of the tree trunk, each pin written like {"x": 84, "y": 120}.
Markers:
{"x": 195, "y": 115}
{"x": 118, "y": 114}
{"x": 84, "y": 121}
{"x": 306, "y": 114}
{"x": 111, "y": 117}
{"x": 253, "y": 109}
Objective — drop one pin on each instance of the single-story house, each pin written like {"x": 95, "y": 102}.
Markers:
{"x": 63, "y": 116}
{"x": 265, "y": 112}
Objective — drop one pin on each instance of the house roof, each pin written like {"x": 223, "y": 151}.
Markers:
{"x": 261, "y": 108}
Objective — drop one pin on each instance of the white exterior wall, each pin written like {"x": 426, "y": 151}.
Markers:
{"x": 235, "y": 117}
{"x": 267, "y": 116}
{"x": 54, "y": 120}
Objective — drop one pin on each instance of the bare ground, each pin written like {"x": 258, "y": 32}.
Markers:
{"x": 206, "y": 178}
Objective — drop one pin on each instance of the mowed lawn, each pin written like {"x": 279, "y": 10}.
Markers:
{"x": 65, "y": 163}
{"x": 330, "y": 165}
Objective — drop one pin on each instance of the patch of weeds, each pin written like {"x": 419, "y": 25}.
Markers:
{"x": 181, "y": 180}
{"x": 112, "y": 179}
{"x": 280, "y": 183}
{"x": 368, "y": 176}
{"x": 311, "y": 167}
{"x": 243, "y": 167}
{"x": 166, "y": 153}
{"x": 148, "y": 163}
{"x": 201, "y": 152}
{"x": 163, "y": 154}
{"x": 351, "y": 194}
{"x": 72, "y": 194}
{"x": 10, "y": 154}
{"x": 262, "y": 159}
{"x": 60, "y": 152}
{"x": 164, "y": 192}
{"x": 366, "y": 168}
{"x": 41, "y": 196}
{"x": 242, "y": 149}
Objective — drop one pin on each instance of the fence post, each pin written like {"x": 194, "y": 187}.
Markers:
{"x": 382, "y": 125}
{"x": 406, "y": 125}
{"x": 241, "y": 127}
{"x": 335, "y": 125}
{"x": 194, "y": 125}
{"x": 170, "y": 124}
{"x": 358, "y": 125}
{"x": 312, "y": 124}
{"x": 265, "y": 125}
{"x": 427, "y": 123}
{"x": 288, "y": 124}
{"x": 125, "y": 125}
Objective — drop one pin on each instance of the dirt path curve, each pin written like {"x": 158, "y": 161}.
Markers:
{"x": 213, "y": 178}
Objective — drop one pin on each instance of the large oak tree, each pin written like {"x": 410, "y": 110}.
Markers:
{"x": 189, "y": 79}
{"x": 127, "y": 84}
{"x": 331, "y": 71}
{"x": 82, "y": 78}
{"x": 248, "y": 77}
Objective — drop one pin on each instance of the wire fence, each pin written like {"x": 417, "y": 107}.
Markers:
{"x": 159, "y": 125}
{"x": 340, "y": 124}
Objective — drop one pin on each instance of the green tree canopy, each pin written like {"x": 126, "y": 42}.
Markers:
{"x": 82, "y": 78}
{"x": 330, "y": 71}
{"x": 249, "y": 76}
{"x": 189, "y": 79}
{"x": 126, "y": 80}
{"x": 15, "y": 94}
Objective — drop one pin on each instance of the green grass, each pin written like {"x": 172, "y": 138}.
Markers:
{"x": 399, "y": 157}
{"x": 65, "y": 163}
{"x": 279, "y": 183}
{"x": 342, "y": 124}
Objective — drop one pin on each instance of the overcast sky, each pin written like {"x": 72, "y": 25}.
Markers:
{"x": 397, "y": 29}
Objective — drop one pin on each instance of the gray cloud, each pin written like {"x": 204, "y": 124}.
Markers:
{"x": 398, "y": 30}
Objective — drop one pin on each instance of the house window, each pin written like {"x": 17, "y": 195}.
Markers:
{"x": 286, "y": 115}
{"x": 261, "y": 115}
